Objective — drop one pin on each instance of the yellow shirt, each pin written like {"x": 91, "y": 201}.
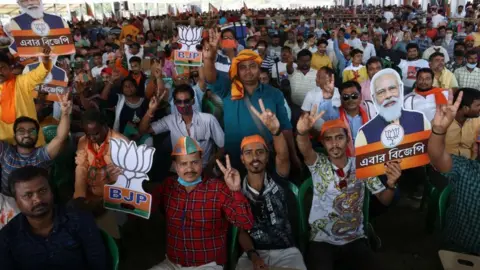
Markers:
{"x": 446, "y": 80}
{"x": 24, "y": 104}
{"x": 319, "y": 61}
{"x": 358, "y": 74}
{"x": 460, "y": 140}
{"x": 129, "y": 30}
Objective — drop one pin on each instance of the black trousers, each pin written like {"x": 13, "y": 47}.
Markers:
{"x": 354, "y": 255}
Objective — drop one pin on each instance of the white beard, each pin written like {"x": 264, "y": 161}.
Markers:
{"x": 390, "y": 113}
{"x": 36, "y": 13}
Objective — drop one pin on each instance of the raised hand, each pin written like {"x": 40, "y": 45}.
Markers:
{"x": 393, "y": 172}
{"x": 446, "y": 113}
{"x": 155, "y": 100}
{"x": 307, "y": 120}
{"x": 231, "y": 175}
{"x": 46, "y": 53}
{"x": 268, "y": 118}
{"x": 211, "y": 47}
{"x": 65, "y": 104}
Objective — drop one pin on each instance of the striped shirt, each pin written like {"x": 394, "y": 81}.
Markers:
{"x": 11, "y": 160}
{"x": 204, "y": 128}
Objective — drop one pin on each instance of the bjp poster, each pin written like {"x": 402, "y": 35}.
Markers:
{"x": 55, "y": 84}
{"x": 394, "y": 134}
{"x": 188, "y": 38}
{"x": 127, "y": 194}
{"x": 34, "y": 29}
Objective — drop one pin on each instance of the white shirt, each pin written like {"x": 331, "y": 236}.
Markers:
{"x": 409, "y": 70}
{"x": 301, "y": 84}
{"x": 96, "y": 71}
{"x": 426, "y": 105}
{"x": 130, "y": 55}
{"x": 368, "y": 51}
{"x": 332, "y": 206}
{"x": 356, "y": 42}
{"x": 437, "y": 19}
{"x": 204, "y": 128}
{"x": 282, "y": 70}
{"x": 297, "y": 49}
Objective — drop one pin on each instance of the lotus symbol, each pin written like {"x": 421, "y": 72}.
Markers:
{"x": 135, "y": 161}
{"x": 189, "y": 37}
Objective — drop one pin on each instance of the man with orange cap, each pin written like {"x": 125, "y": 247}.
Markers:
{"x": 271, "y": 239}
{"x": 336, "y": 217}
{"x": 240, "y": 92}
{"x": 199, "y": 210}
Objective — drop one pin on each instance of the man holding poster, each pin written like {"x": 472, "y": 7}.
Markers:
{"x": 394, "y": 134}
{"x": 16, "y": 94}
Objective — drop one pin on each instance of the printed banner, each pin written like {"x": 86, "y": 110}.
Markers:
{"x": 187, "y": 58}
{"x": 394, "y": 134}
{"x": 55, "y": 83}
{"x": 31, "y": 35}
{"x": 127, "y": 194}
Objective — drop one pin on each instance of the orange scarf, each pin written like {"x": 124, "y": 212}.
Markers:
{"x": 343, "y": 116}
{"x": 98, "y": 156}
{"x": 7, "y": 101}
{"x": 439, "y": 97}
{"x": 237, "y": 86}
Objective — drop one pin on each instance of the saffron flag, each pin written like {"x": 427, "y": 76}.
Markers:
{"x": 89, "y": 10}
{"x": 212, "y": 9}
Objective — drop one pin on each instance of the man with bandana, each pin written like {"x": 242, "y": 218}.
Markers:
{"x": 199, "y": 210}
{"x": 24, "y": 153}
{"x": 271, "y": 239}
{"x": 241, "y": 91}
{"x": 387, "y": 96}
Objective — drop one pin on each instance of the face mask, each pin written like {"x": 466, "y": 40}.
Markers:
{"x": 364, "y": 42}
{"x": 471, "y": 66}
{"x": 185, "y": 110}
{"x": 189, "y": 184}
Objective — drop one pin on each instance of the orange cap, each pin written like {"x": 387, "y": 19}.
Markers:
{"x": 337, "y": 123}
{"x": 344, "y": 46}
{"x": 470, "y": 38}
{"x": 253, "y": 139}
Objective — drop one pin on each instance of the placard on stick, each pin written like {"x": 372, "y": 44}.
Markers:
{"x": 55, "y": 83}
{"x": 127, "y": 194}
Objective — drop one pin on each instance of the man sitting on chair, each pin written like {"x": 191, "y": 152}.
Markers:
{"x": 271, "y": 240}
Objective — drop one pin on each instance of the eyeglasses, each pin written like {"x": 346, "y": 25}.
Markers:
{"x": 183, "y": 102}
{"x": 352, "y": 96}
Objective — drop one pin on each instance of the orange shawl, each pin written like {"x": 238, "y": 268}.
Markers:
{"x": 439, "y": 97}
{"x": 237, "y": 86}
{"x": 7, "y": 101}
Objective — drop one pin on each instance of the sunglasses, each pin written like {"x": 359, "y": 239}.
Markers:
{"x": 352, "y": 96}
{"x": 183, "y": 102}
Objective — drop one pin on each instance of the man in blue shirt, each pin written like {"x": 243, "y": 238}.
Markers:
{"x": 44, "y": 236}
{"x": 241, "y": 90}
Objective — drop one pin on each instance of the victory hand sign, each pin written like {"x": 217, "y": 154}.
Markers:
{"x": 231, "y": 175}
{"x": 307, "y": 120}
{"x": 446, "y": 113}
{"x": 268, "y": 118}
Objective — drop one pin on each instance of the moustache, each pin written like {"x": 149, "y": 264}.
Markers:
{"x": 32, "y": 7}
{"x": 335, "y": 148}
{"x": 251, "y": 163}
{"x": 386, "y": 101}
{"x": 42, "y": 205}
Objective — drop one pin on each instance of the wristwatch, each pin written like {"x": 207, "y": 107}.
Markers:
{"x": 251, "y": 252}
{"x": 391, "y": 188}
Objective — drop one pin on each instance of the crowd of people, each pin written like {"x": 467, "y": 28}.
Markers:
{"x": 273, "y": 108}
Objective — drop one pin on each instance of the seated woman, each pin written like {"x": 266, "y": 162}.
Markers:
{"x": 130, "y": 109}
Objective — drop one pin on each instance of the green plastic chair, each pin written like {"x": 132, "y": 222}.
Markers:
{"x": 49, "y": 132}
{"x": 112, "y": 248}
{"x": 306, "y": 186}
{"x": 443, "y": 203}
{"x": 233, "y": 249}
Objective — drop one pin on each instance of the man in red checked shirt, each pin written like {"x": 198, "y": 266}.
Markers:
{"x": 199, "y": 211}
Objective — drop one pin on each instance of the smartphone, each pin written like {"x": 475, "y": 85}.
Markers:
{"x": 229, "y": 44}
